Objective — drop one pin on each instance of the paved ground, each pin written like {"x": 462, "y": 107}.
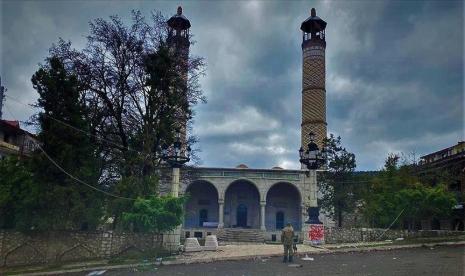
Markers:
{"x": 448, "y": 260}
{"x": 241, "y": 251}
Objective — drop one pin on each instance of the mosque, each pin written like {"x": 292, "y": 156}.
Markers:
{"x": 246, "y": 204}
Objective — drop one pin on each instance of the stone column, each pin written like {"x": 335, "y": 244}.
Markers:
{"x": 172, "y": 239}
{"x": 175, "y": 183}
{"x": 220, "y": 213}
{"x": 262, "y": 215}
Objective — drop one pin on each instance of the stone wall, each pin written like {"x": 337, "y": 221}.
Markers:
{"x": 351, "y": 235}
{"x": 58, "y": 247}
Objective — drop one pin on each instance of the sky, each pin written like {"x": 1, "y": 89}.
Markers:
{"x": 394, "y": 72}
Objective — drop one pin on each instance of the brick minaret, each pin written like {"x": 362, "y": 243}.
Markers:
{"x": 313, "y": 80}
{"x": 178, "y": 41}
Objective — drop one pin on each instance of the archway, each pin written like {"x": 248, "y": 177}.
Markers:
{"x": 202, "y": 205}
{"x": 283, "y": 206}
{"x": 242, "y": 205}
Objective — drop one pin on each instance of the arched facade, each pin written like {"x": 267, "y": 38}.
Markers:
{"x": 261, "y": 199}
{"x": 242, "y": 205}
{"x": 202, "y": 205}
{"x": 283, "y": 205}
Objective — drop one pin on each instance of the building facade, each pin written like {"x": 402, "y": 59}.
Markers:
{"x": 255, "y": 204}
{"x": 450, "y": 160}
{"x": 242, "y": 198}
{"x": 14, "y": 140}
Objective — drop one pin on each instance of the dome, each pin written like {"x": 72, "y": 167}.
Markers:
{"x": 277, "y": 168}
{"x": 242, "y": 166}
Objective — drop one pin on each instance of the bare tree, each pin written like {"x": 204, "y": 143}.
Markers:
{"x": 135, "y": 92}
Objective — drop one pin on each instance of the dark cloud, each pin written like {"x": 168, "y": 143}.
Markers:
{"x": 394, "y": 71}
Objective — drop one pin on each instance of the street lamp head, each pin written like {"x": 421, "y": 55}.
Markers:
{"x": 176, "y": 155}
{"x": 312, "y": 158}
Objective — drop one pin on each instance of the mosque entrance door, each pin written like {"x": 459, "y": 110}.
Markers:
{"x": 203, "y": 217}
{"x": 241, "y": 215}
{"x": 279, "y": 220}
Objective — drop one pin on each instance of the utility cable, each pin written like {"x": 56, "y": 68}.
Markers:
{"x": 77, "y": 179}
{"x": 121, "y": 146}
{"x": 77, "y": 129}
{"x": 385, "y": 230}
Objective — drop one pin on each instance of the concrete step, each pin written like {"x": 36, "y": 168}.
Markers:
{"x": 234, "y": 235}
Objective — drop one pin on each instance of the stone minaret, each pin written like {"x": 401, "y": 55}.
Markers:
{"x": 313, "y": 80}
{"x": 178, "y": 41}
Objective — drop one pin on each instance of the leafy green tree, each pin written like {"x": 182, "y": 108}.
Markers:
{"x": 18, "y": 193}
{"x": 155, "y": 214}
{"x": 339, "y": 193}
{"x": 61, "y": 202}
{"x": 397, "y": 195}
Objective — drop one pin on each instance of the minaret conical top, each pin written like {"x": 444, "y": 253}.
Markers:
{"x": 313, "y": 24}
{"x": 178, "y": 21}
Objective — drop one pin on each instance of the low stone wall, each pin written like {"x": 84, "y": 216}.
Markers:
{"x": 349, "y": 235}
{"x": 57, "y": 247}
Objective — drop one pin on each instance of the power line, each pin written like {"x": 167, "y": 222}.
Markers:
{"x": 130, "y": 149}
{"x": 77, "y": 179}
{"x": 388, "y": 177}
{"x": 77, "y": 129}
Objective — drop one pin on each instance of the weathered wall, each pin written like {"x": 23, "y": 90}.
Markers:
{"x": 349, "y": 235}
{"x": 55, "y": 247}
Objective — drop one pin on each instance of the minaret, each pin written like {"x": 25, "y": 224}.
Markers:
{"x": 313, "y": 80}
{"x": 178, "y": 41}
{"x": 2, "y": 97}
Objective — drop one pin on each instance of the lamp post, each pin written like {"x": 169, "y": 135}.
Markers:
{"x": 313, "y": 158}
{"x": 176, "y": 155}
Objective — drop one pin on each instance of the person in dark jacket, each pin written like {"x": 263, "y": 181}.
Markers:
{"x": 287, "y": 238}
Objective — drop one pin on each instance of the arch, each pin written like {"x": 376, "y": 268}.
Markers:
{"x": 241, "y": 180}
{"x": 283, "y": 205}
{"x": 293, "y": 185}
{"x": 201, "y": 182}
{"x": 202, "y": 204}
{"x": 242, "y": 204}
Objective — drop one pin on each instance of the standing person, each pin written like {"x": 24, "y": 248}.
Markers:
{"x": 287, "y": 238}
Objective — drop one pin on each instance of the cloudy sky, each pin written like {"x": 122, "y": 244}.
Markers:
{"x": 394, "y": 71}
